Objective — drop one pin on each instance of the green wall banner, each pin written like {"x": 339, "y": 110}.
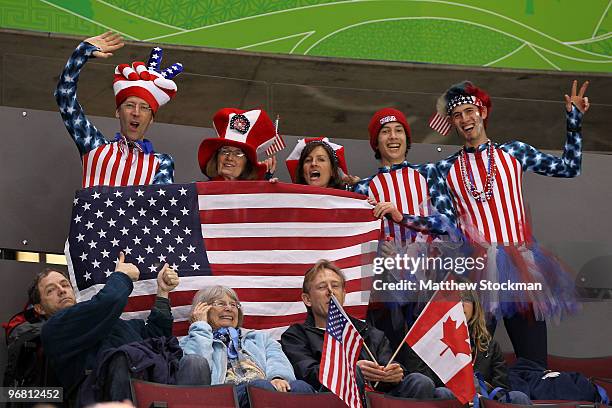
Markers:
{"x": 563, "y": 35}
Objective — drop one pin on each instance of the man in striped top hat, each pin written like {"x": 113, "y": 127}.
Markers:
{"x": 139, "y": 90}
{"x": 485, "y": 182}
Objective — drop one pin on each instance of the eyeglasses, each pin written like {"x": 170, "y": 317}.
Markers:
{"x": 132, "y": 106}
{"x": 239, "y": 154}
{"x": 223, "y": 305}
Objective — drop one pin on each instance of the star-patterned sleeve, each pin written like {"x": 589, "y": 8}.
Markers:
{"x": 570, "y": 162}
{"x": 444, "y": 218}
{"x": 165, "y": 172}
{"x": 439, "y": 223}
{"x": 83, "y": 133}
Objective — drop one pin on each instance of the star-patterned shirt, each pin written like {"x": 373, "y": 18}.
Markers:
{"x": 419, "y": 192}
{"x": 105, "y": 162}
{"x": 502, "y": 218}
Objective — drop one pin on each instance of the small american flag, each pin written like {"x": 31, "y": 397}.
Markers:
{"x": 440, "y": 123}
{"x": 279, "y": 143}
{"x": 276, "y": 146}
{"x": 341, "y": 349}
{"x": 255, "y": 237}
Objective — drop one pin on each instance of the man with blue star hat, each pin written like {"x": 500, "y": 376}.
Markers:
{"x": 139, "y": 90}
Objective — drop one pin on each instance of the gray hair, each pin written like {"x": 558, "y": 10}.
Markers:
{"x": 212, "y": 293}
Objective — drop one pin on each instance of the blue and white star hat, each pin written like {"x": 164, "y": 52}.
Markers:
{"x": 148, "y": 81}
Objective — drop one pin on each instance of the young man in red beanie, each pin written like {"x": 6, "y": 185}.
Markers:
{"x": 414, "y": 208}
{"x": 139, "y": 92}
{"x": 485, "y": 182}
{"x": 407, "y": 196}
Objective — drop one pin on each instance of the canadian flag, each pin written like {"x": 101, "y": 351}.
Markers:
{"x": 440, "y": 337}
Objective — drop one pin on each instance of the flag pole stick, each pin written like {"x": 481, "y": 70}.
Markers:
{"x": 394, "y": 354}
{"x": 398, "y": 349}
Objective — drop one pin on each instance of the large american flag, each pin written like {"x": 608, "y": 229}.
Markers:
{"x": 256, "y": 237}
{"x": 341, "y": 349}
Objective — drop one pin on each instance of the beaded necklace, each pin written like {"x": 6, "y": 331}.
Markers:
{"x": 468, "y": 177}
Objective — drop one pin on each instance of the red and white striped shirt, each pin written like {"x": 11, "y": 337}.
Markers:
{"x": 407, "y": 189}
{"x": 500, "y": 219}
{"x": 115, "y": 164}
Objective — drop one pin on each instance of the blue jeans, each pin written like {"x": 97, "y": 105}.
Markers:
{"x": 414, "y": 385}
{"x": 297, "y": 386}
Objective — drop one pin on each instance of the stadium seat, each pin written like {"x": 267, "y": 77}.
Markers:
{"x": 487, "y": 403}
{"x": 590, "y": 367}
{"x": 378, "y": 400}
{"x": 262, "y": 398}
{"x": 146, "y": 394}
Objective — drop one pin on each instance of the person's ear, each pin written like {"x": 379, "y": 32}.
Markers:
{"x": 39, "y": 309}
{"x": 306, "y": 299}
{"x": 117, "y": 113}
{"x": 484, "y": 112}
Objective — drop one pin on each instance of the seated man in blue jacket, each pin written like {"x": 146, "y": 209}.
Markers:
{"x": 303, "y": 343}
{"x": 76, "y": 335}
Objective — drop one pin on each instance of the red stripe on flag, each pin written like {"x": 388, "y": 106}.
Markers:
{"x": 252, "y": 215}
{"x": 287, "y": 243}
{"x": 287, "y": 269}
{"x": 257, "y": 187}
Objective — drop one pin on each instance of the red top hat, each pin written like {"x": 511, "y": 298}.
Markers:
{"x": 251, "y": 131}
{"x": 294, "y": 158}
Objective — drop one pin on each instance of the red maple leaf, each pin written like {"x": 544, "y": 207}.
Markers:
{"x": 455, "y": 337}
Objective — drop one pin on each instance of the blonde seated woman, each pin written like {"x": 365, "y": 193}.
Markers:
{"x": 236, "y": 356}
{"x": 487, "y": 357}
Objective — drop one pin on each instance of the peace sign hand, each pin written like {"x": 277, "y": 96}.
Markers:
{"x": 581, "y": 101}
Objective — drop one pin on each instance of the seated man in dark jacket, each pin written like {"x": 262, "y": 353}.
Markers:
{"x": 76, "y": 334}
{"x": 303, "y": 343}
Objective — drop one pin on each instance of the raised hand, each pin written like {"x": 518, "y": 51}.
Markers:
{"x": 107, "y": 42}
{"x": 270, "y": 164}
{"x": 167, "y": 280}
{"x": 351, "y": 180}
{"x": 578, "y": 99}
{"x": 129, "y": 269}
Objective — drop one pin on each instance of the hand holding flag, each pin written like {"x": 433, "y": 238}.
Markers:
{"x": 440, "y": 337}
{"x": 341, "y": 349}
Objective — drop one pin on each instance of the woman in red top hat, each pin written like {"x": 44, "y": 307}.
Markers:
{"x": 319, "y": 162}
{"x": 233, "y": 154}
